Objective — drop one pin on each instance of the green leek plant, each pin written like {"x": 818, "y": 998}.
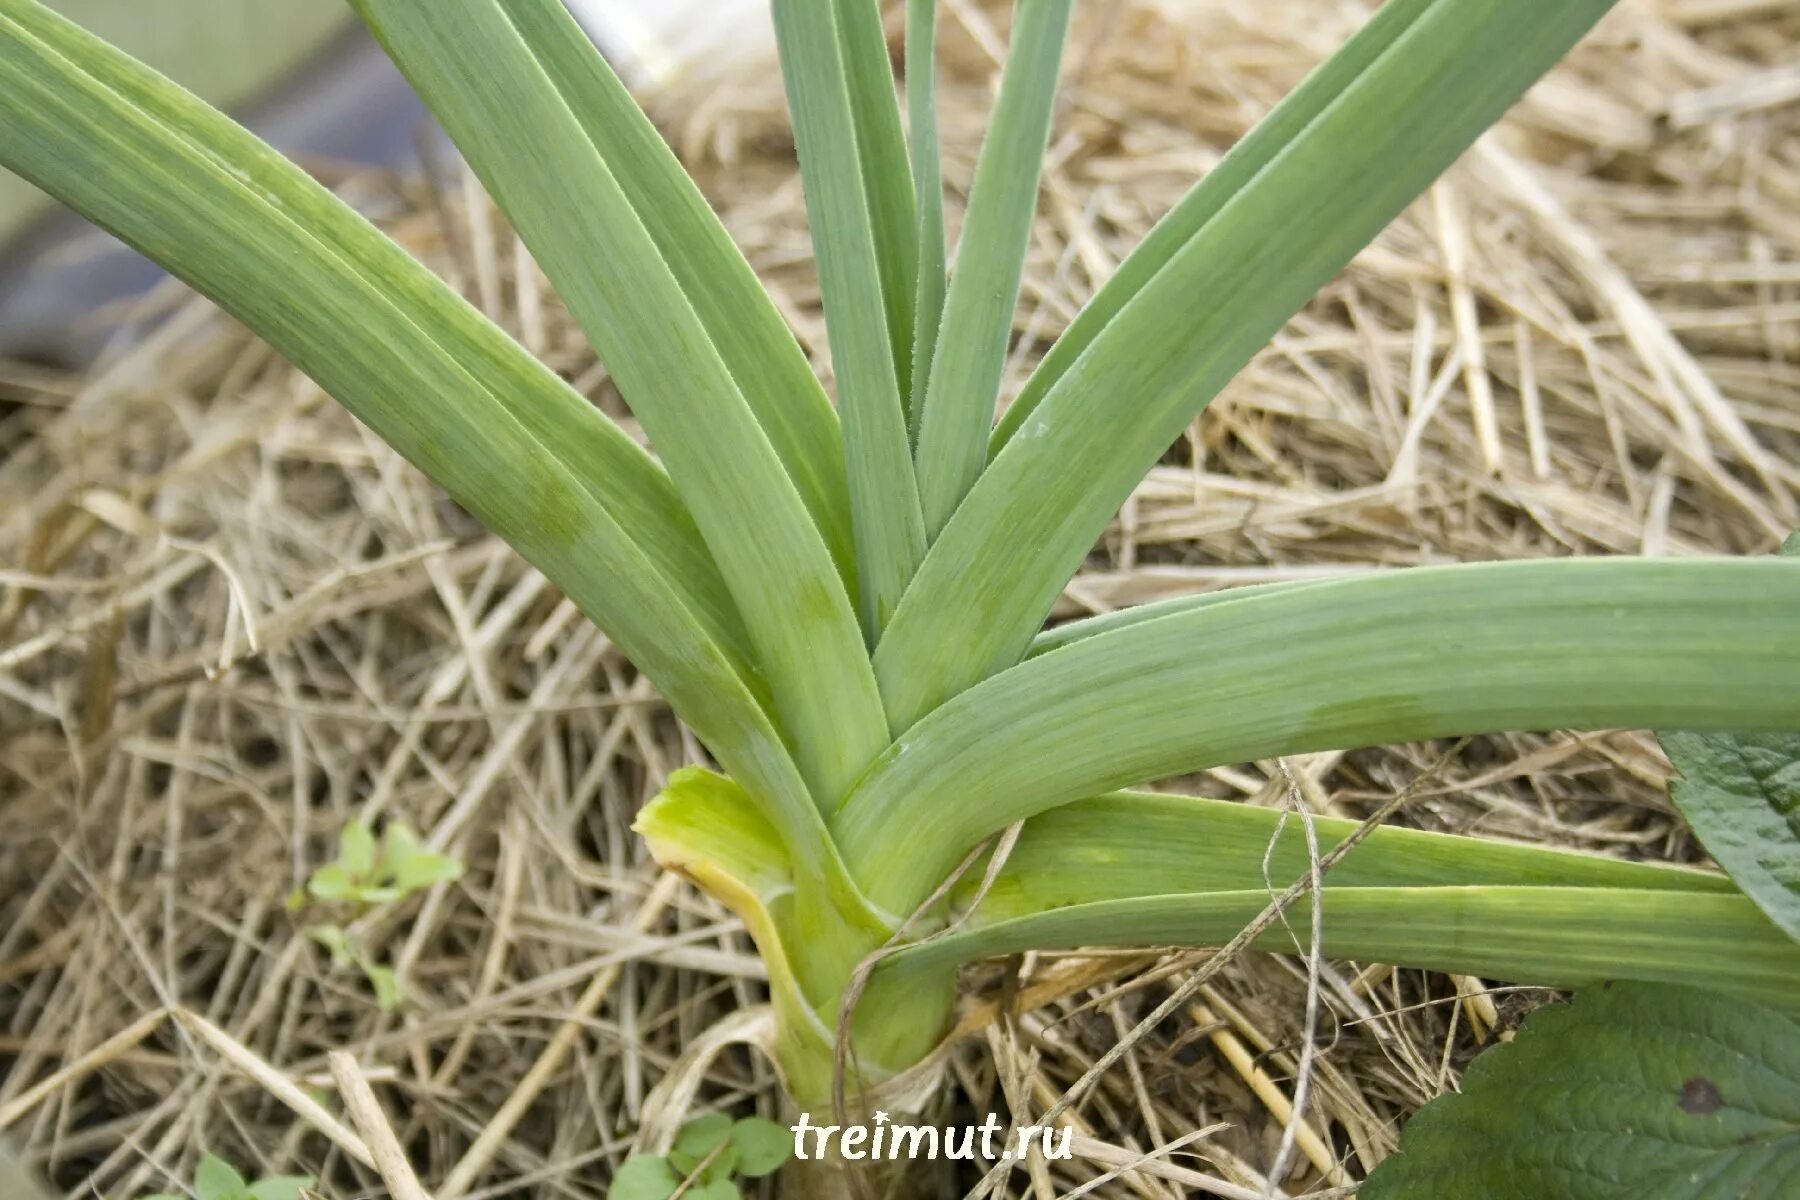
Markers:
{"x": 846, "y": 603}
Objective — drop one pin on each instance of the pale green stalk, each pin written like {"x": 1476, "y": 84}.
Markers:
{"x": 884, "y": 496}
{"x": 996, "y": 569}
{"x": 958, "y": 411}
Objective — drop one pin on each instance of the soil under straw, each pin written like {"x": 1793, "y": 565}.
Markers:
{"x": 233, "y": 620}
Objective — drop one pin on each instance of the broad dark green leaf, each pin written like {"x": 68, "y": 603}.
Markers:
{"x": 1741, "y": 793}
{"x": 644, "y": 1177}
{"x": 216, "y": 1179}
{"x": 763, "y": 1146}
{"x": 1631, "y": 1092}
{"x": 699, "y": 1138}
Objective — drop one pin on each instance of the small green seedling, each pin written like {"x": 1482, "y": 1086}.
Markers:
{"x": 368, "y": 875}
{"x": 706, "y": 1155}
{"x": 216, "y": 1179}
{"x": 365, "y": 876}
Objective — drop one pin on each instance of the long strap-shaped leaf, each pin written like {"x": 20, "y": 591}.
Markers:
{"x": 130, "y": 108}
{"x": 1243, "y": 164}
{"x": 997, "y": 567}
{"x": 532, "y": 460}
{"x": 1129, "y": 845}
{"x": 984, "y": 289}
{"x": 1557, "y": 937}
{"x": 483, "y": 80}
{"x": 745, "y": 326}
{"x": 1370, "y": 660}
{"x": 886, "y": 171}
{"x": 928, "y": 190}
{"x": 884, "y": 495}
{"x": 1121, "y": 618}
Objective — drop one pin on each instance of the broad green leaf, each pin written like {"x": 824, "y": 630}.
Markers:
{"x": 644, "y": 1177}
{"x": 886, "y": 172}
{"x": 748, "y": 330}
{"x": 425, "y": 870}
{"x": 1741, "y": 793}
{"x": 485, "y": 83}
{"x": 216, "y": 1179}
{"x": 356, "y": 850}
{"x": 928, "y": 190}
{"x": 995, "y": 571}
{"x": 1548, "y": 936}
{"x": 1631, "y": 1092}
{"x": 1368, "y": 660}
{"x": 332, "y": 882}
{"x": 699, "y": 1138}
{"x": 1246, "y": 160}
{"x": 280, "y": 1187}
{"x": 762, "y": 1145}
{"x": 716, "y": 1189}
{"x": 1132, "y": 844}
{"x": 521, "y": 451}
{"x": 884, "y": 495}
{"x": 990, "y": 260}
{"x": 411, "y": 866}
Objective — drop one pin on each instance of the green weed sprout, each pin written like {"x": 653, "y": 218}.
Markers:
{"x": 216, "y": 1179}
{"x": 366, "y": 876}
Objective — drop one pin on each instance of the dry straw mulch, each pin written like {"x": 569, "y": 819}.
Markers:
{"x": 233, "y": 620}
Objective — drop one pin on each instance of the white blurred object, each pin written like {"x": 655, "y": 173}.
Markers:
{"x": 654, "y": 41}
